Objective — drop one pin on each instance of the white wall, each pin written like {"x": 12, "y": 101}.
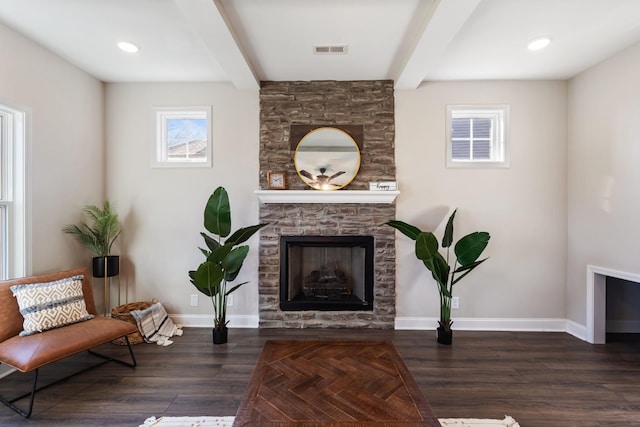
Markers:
{"x": 604, "y": 173}
{"x": 162, "y": 208}
{"x": 522, "y": 207}
{"x": 66, "y": 169}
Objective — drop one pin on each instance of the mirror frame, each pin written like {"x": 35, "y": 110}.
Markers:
{"x": 300, "y": 132}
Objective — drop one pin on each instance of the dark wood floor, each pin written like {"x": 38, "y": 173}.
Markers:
{"x": 540, "y": 379}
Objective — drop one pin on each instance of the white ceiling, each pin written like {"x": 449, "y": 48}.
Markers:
{"x": 246, "y": 41}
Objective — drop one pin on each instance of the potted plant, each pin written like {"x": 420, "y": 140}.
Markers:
{"x": 467, "y": 250}
{"x": 224, "y": 257}
{"x": 98, "y": 235}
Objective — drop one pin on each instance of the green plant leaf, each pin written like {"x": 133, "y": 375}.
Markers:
{"x": 426, "y": 245}
{"x": 102, "y": 230}
{"x": 466, "y": 269}
{"x": 218, "y": 255}
{"x": 235, "y": 287}
{"x": 217, "y": 213}
{"x": 439, "y": 270}
{"x": 233, "y": 262}
{"x": 470, "y": 247}
{"x": 84, "y": 236}
{"x": 447, "y": 239}
{"x": 470, "y": 266}
{"x": 243, "y": 234}
{"x": 207, "y": 278}
{"x": 211, "y": 243}
{"x": 407, "y": 229}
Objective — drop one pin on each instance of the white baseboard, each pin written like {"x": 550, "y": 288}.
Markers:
{"x": 6, "y": 370}
{"x": 472, "y": 324}
{"x": 421, "y": 323}
{"x": 577, "y": 330}
{"x": 206, "y": 321}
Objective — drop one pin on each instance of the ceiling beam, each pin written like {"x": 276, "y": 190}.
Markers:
{"x": 210, "y": 23}
{"x": 446, "y": 21}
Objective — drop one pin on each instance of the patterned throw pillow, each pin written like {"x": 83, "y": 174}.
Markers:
{"x": 50, "y": 305}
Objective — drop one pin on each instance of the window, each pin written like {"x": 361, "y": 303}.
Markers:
{"x": 13, "y": 218}
{"x": 183, "y": 137}
{"x": 477, "y": 136}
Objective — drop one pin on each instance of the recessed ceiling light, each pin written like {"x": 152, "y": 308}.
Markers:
{"x": 539, "y": 43}
{"x": 128, "y": 47}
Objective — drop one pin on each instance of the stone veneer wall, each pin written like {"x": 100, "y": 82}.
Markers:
{"x": 366, "y": 103}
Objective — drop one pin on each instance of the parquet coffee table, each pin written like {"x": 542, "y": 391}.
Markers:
{"x": 332, "y": 383}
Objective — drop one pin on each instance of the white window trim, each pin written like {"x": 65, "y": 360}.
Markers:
{"x": 15, "y": 145}
{"x": 500, "y": 146}
{"x": 159, "y": 149}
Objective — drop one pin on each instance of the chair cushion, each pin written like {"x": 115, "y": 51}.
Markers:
{"x": 50, "y": 305}
{"x": 34, "y": 351}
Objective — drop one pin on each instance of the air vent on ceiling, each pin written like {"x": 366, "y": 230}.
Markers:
{"x": 330, "y": 49}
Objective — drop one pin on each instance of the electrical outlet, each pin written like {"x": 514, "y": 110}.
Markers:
{"x": 229, "y": 300}
{"x": 455, "y": 303}
{"x": 194, "y": 300}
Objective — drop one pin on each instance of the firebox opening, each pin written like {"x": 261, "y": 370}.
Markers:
{"x": 326, "y": 273}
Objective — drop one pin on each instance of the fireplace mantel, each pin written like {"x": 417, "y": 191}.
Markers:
{"x": 316, "y": 196}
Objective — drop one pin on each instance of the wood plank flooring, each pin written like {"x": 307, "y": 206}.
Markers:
{"x": 540, "y": 379}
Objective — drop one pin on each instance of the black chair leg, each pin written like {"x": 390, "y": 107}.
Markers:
{"x": 131, "y": 364}
{"x": 32, "y": 395}
{"x": 34, "y": 390}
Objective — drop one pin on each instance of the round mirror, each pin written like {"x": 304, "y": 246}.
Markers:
{"x": 327, "y": 158}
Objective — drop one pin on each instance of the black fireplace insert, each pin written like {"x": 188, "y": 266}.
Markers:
{"x": 331, "y": 273}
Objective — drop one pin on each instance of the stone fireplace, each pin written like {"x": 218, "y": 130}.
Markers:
{"x": 365, "y": 103}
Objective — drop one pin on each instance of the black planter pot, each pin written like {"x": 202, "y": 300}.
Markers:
{"x": 220, "y": 335}
{"x": 444, "y": 337}
{"x": 113, "y": 266}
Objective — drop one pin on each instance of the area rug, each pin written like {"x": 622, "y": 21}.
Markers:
{"x": 337, "y": 383}
{"x": 228, "y": 422}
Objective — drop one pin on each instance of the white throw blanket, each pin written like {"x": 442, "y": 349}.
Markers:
{"x": 155, "y": 325}
{"x": 188, "y": 422}
{"x": 476, "y": 422}
{"x": 228, "y": 422}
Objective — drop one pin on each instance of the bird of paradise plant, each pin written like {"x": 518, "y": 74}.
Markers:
{"x": 467, "y": 250}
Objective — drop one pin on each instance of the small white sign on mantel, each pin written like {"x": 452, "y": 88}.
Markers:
{"x": 383, "y": 186}
{"x": 317, "y": 196}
